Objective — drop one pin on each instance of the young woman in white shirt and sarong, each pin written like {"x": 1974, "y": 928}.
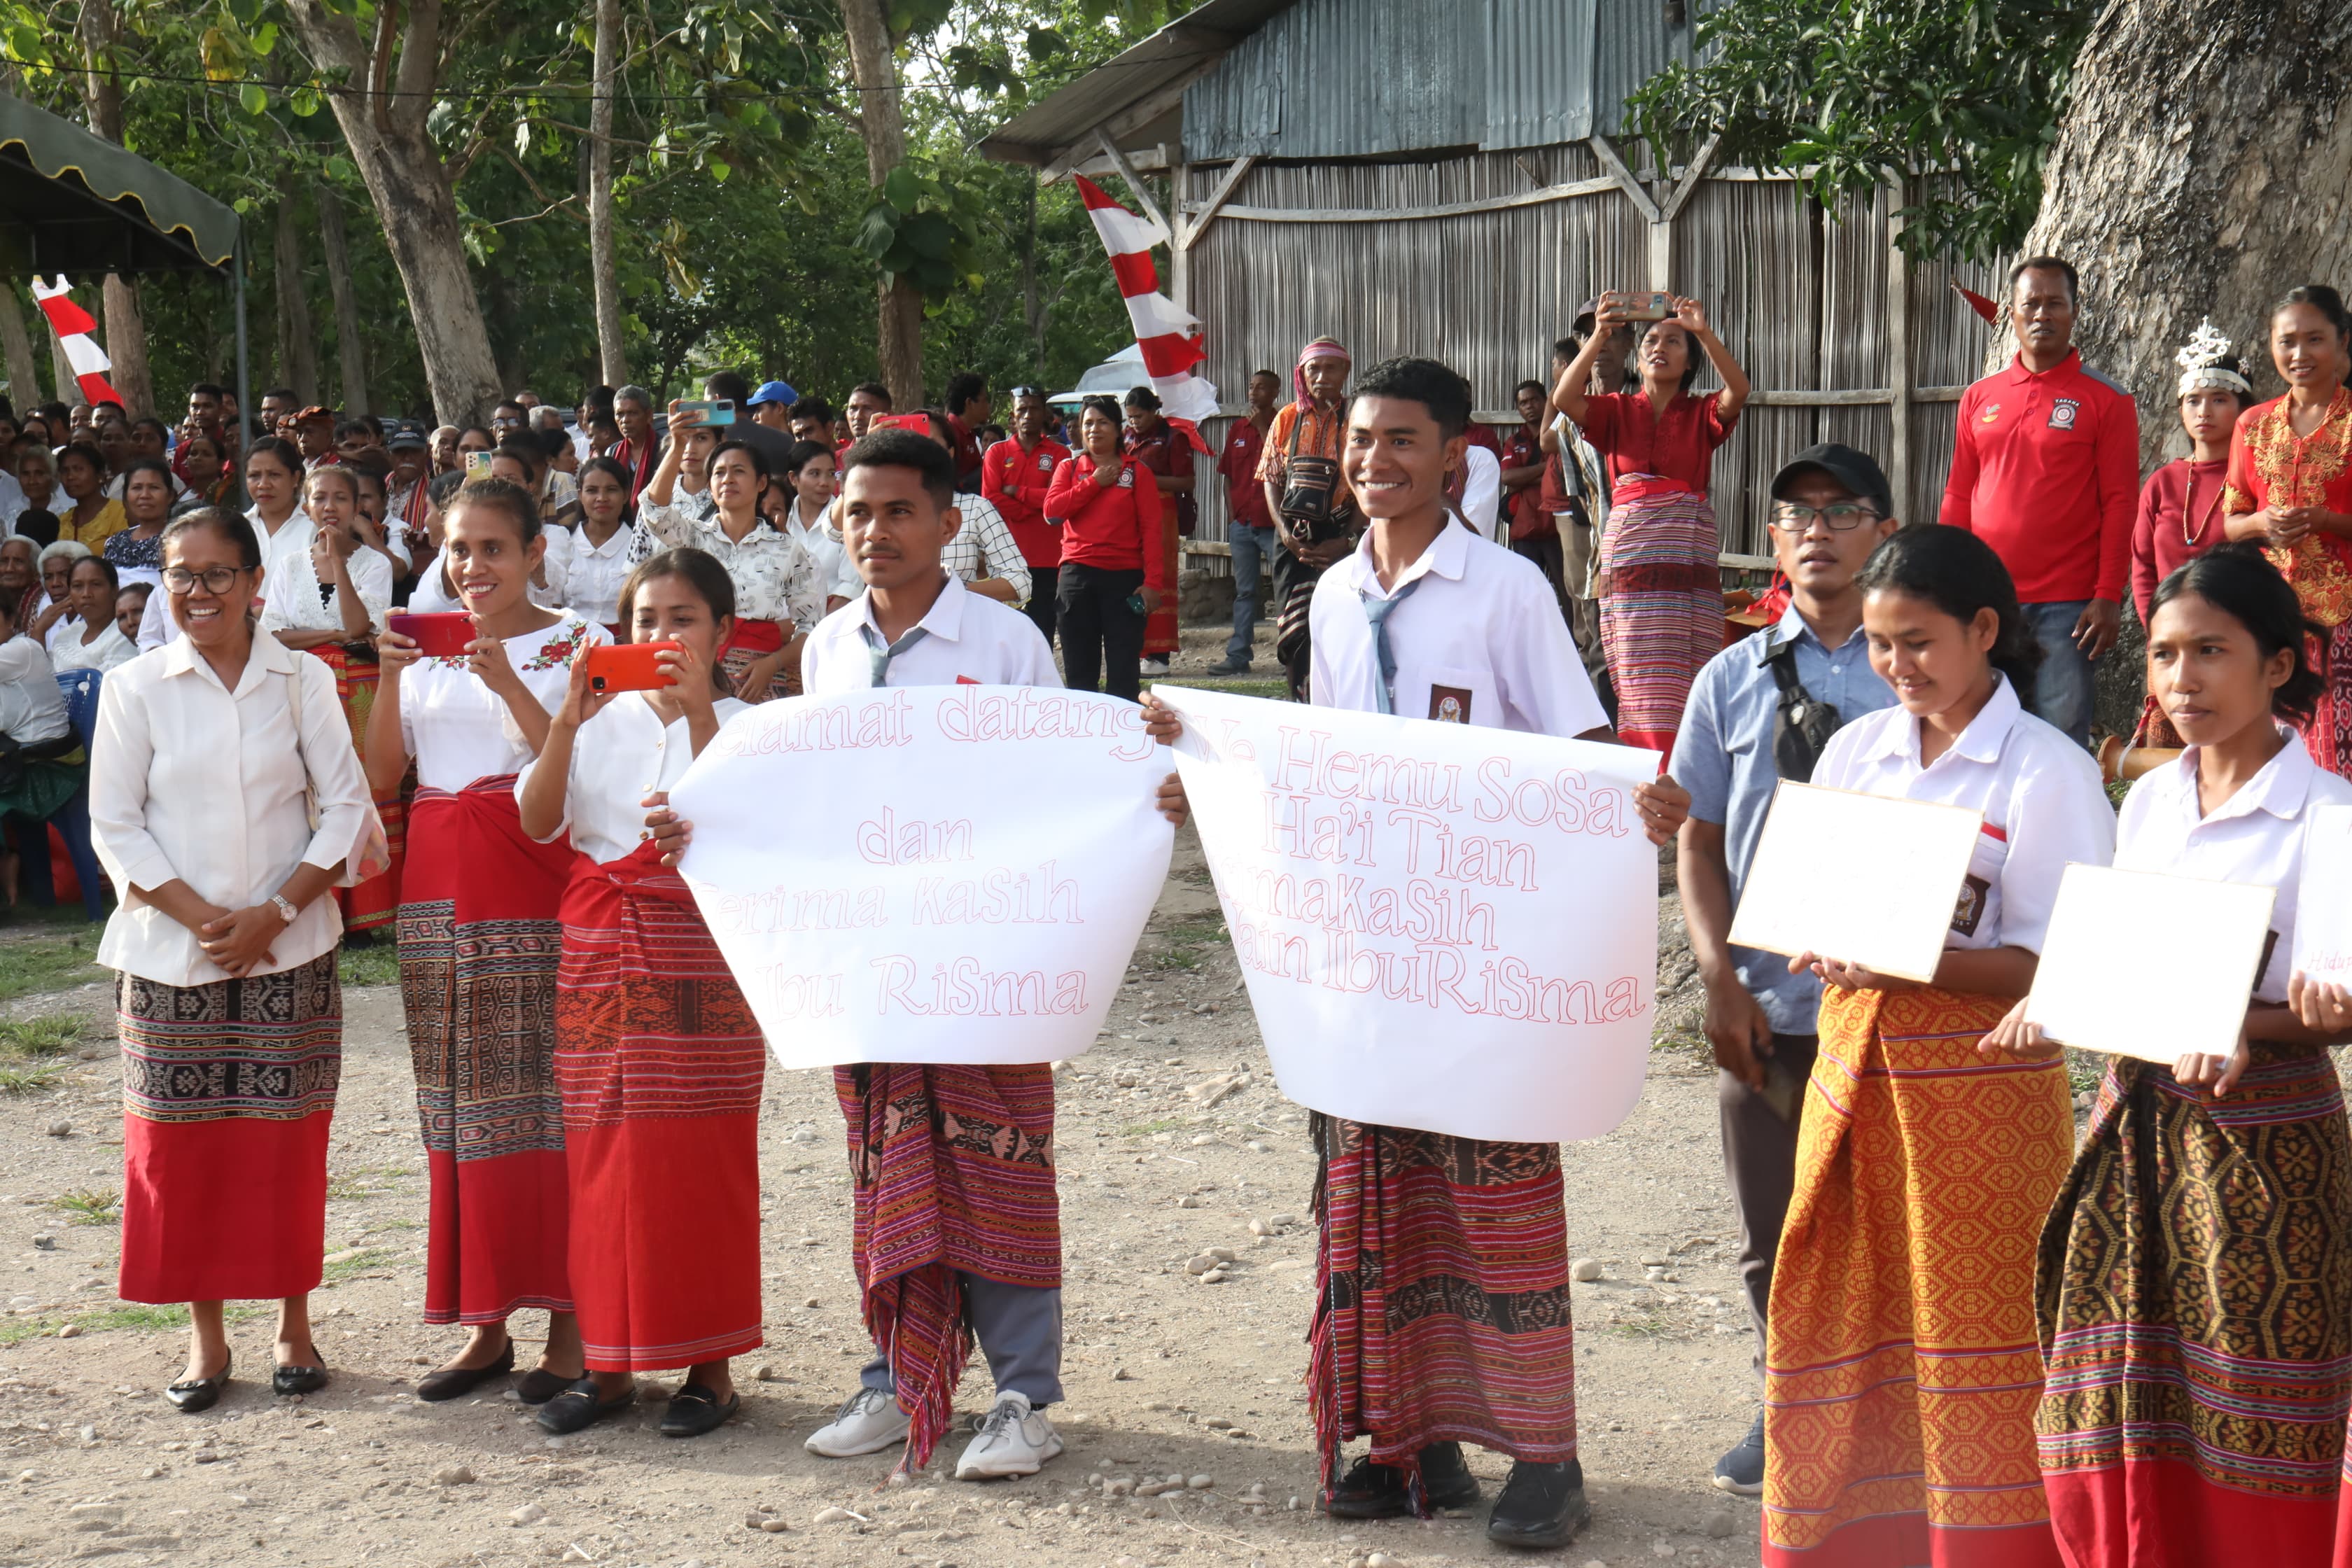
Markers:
{"x": 479, "y": 942}
{"x": 1901, "y": 1370}
{"x": 2195, "y": 1283}
{"x": 227, "y": 1000}
{"x": 659, "y": 1059}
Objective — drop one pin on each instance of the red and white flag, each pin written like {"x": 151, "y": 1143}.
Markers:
{"x": 73, "y": 325}
{"x": 1169, "y": 335}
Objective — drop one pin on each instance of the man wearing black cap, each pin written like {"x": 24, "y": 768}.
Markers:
{"x": 1760, "y": 712}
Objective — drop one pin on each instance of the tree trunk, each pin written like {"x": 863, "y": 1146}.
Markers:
{"x": 2176, "y": 202}
{"x": 612, "y": 350}
{"x": 297, "y": 342}
{"x": 882, "y": 124}
{"x": 17, "y": 348}
{"x": 126, "y": 335}
{"x": 381, "y": 107}
{"x": 350, "y": 351}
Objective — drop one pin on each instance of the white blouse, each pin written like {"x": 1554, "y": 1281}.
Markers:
{"x": 2039, "y": 793}
{"x": 293, "y": 599}
{"x": 459, "y": 730}
{"x": 619, "y": 757}
{"x": 108, "y": 650}
{"x": 31, "y": 707}
{"x": 2255, "y": 836}
{"x": 191, "y": 781}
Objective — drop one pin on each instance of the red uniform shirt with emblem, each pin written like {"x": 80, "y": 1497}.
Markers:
{"x": 2045, "y": 468}
{"x": 1017, "y": 482}
{"x": 1114, "y": 528}
{"x": 1524, "y": 450}
{"x": 1237, "y": 465}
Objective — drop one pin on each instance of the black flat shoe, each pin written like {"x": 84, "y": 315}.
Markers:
{"x": 575, "y": 1407}
{"x": 190, "y": 1395}
{"x": 539, "y": 1385}
{"x": 454, "y": 1382}
{"x": 1369, "y": 1490}
{"x": 1542, "y": 1506}
{"x": 288, "y": 1381}
{"x": 694, "y": 1410}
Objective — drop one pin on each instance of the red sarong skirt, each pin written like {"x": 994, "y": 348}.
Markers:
{"x": 479, "y": 947}
{"x": 660, "y": 1063}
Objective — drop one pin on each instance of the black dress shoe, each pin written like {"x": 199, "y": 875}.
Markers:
{"x": 191, "y": 1395}
{"x": 694, "y": 1410}
{"x": 1542, "y": 1506}
{"x": 539, "y": 1385}
{"x": 287, "y": 1381}
{"x": 454, "y": 1382}
{"x": 1377, "y": 1491}
{"x": 575, "y": 1407}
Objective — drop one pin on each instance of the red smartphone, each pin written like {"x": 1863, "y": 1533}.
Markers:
{"x": 628, "y": 667}
{"x": 441, "y": 636}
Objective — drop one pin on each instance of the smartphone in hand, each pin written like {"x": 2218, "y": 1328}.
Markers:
{"x": 628, "y": 667}
{"x": 1649, "y": 306}
{"x": 438, "y": 636}
{"x": 705, "y": 411}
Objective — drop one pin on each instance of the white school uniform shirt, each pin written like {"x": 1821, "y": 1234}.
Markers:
{"x": 619, "y": 757}
{"x": 2255, "y": 836}
{"x": 31, "y": 707}
{"x": 292, "y": 597}
{"x": 1480, "y": 641}
{"x": 1482, "y": 490}
{"x": 967, "y": 637}
{"x": 824, "y": 545}
{"x": 459, "y": 730}
{"x": 108, "y": 650}
{"x": 2043, "y": 808}
{"x": 192, "y": 781}
{"x": 595, "y": 575}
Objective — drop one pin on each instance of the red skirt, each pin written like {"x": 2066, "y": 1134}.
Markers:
{"x": 660, "y": 1062}
{"x": 228, "y": 1091}
{"x": 1159, "y": 633}
{"x": 479, "y": 947}
{"x": 376, "y": 901}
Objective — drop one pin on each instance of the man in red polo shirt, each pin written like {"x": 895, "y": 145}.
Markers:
{"x": 1249, "y": 526}
{"x": 1014, "y": 474}
{"x": 2046, "y": 468}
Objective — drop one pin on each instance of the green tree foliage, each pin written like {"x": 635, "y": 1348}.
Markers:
{"x": 750, "y": 237}
{"x": 1850, "y": 89}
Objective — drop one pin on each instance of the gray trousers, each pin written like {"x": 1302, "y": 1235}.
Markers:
{"x": 1019, "y": 1327}
{"x": 1759, "y": 1154}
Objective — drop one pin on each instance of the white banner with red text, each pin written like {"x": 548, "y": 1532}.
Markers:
{"x": 1446, "y": 927}
{"x": 927, "y": 874}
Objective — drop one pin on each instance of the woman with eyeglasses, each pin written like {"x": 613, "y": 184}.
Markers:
{"x": 226, "y": 997}
{"x": 1661, "y": 590}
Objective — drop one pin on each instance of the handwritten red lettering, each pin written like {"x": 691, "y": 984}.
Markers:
{"x": 1002, "y": 897}
{"x": 888, "y": 841}
{"x": 961, "y": 988}
{"x": 1029, "y": 713}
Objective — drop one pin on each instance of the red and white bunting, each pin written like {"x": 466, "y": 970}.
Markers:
{"x": 73, "y": 326}
{"x": 1169, "y": 335}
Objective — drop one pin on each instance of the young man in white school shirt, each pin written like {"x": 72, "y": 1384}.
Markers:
{"x": 1426, "y": 620}
{"x": 916, "y": 624}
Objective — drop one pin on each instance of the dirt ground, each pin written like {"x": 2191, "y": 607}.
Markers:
{"x": 1172, "y": 1140}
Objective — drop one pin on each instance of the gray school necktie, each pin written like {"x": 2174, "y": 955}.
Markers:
{"x": 881, "y": 657}
{"x": 1377, "y": 611}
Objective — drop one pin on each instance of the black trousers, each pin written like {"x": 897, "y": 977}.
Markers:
{"x": 1101, "y": 633}
{"x": 1044, "y": 587}
{"x": 1759, "y": 1156}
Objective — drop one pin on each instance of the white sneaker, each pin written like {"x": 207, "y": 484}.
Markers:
{"x": 1014, "y": 1440}
{"x": 868, "y": 1422}
{"x": 1152, "y": 667}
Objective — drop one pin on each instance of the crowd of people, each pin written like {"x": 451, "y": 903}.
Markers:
{"x": 1977, "y": 1342}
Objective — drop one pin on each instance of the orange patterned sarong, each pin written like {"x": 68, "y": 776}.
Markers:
{"x": 1902, "y": 1370}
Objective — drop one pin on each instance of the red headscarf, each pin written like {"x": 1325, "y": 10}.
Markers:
{"x": 1321, "y": 348}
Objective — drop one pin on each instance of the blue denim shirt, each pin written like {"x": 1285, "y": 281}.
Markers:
{"x": 1724, "y": 757}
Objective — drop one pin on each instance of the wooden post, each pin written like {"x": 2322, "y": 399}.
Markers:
{"x": 1899, "y": 353}
{"x": 1180, "y": 270}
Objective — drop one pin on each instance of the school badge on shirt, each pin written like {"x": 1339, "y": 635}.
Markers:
{"x": 2063, "y": 412}
{"x": 1449, "y": 705}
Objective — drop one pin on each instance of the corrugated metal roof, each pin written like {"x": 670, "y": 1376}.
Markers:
{"x": 1538, "y": 71}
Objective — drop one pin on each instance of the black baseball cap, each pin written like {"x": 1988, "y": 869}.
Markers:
{"x": 1857, "y": 471}
{"x": 406, "y": 433}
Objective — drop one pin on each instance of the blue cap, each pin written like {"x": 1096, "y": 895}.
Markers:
{"x": 775, "y": 392}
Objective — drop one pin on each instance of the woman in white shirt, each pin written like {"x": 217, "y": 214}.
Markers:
{"x": 520, "y": 462}
{"x": 600, "y": 549}
{"x": 91, "y": 640}
{"x": 33, "y": 717}
{"x": 809, "y": 518}
{"x": 1901, "y": 1375}
{"x": 2195, "y": 1288}
{"x": 478, "y": 944}
{"x": 658, "y": 1053}
{"x": 225, "y": 801}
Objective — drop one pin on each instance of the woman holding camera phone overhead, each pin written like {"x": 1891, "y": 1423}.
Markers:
{"x": 1661, "y": 589}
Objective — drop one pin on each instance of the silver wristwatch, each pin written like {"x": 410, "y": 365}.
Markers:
{"x": 285, "y": 907}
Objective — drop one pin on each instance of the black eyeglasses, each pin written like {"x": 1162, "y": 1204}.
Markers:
{"x": 217, "y": 580}
{"x": 1842, "y": 517}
